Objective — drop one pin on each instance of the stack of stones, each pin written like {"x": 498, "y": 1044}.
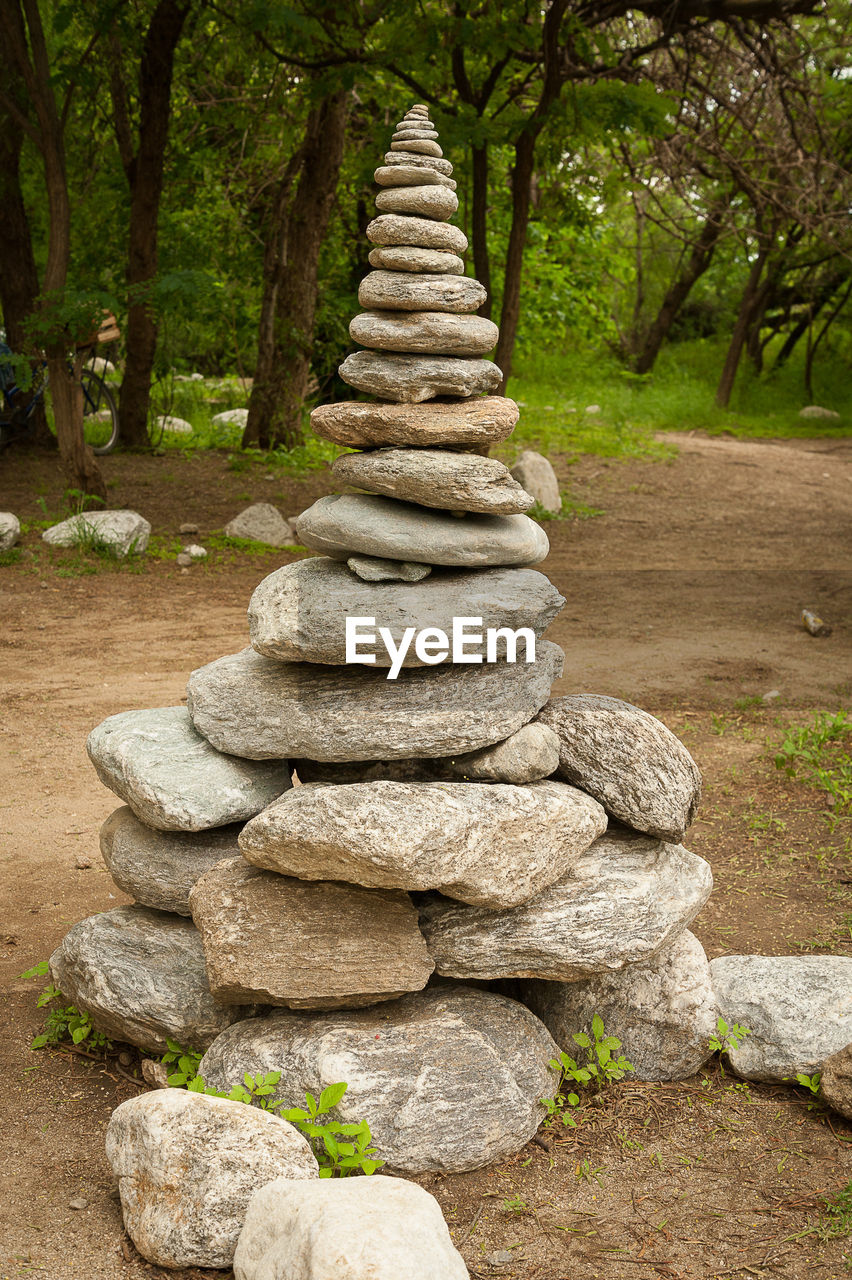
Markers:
{"x": 418, "y": 885}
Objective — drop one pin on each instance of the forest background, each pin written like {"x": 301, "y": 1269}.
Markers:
{"x": 657, "y": 198}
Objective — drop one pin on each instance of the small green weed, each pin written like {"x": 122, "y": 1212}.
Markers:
{"x": 818, "y": 754}
{"x": 601, "y": 1068}
{"x": 516, "y": 1205}
{"x": 12, "y": 555}
{"x": 585, "y": 1173}
{"x": 811, "y": 1083}
{"x": 570, "y": 510}
{"x": 836, "y": 1216}
{"x": 727, "y": 1037}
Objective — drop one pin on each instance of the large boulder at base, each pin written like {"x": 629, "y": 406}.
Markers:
{"x": 277, "y": 940}
{"x": 628, "y": 760}
{"x": 343, "y": 523}
{"x": 123, "y": 532}
{"x": 298, "y": 613}
{"x": 479, "y": 422}
{"x": 485, "y": 843}
{"x": 534, "y": 473}
{"x": 413, "y": 379}
{"x": 159, "y": 868}
{"x": 374, "y": 1228}
{"x": 448, "y": 1079}
{"x": 256, "y": 707}
{"x": 835, "y": 1085}
{"x": 797, "y": 1008}
{"x": 663, "y": 1012}
{"x": 624, "y": 900}
{"x": 435, "y": 478}
{"x": 10, "y": 530}
{"x": 261, "y": 522}
{"x": 140, "y": 975}
{"x": 172, "y": 778}
{"x": 187, "y": 1165}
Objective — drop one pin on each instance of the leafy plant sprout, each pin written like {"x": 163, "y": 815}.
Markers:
{"x": 601, "y": 1067}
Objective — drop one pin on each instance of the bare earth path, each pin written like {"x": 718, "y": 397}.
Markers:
{"x": 683, "y": 597}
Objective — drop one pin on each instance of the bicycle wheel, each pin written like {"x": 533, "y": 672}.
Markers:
{"x": 100, "y": 415}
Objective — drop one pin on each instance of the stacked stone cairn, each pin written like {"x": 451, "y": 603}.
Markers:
{"x": 465, "y": 870}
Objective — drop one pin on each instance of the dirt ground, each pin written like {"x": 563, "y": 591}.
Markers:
{"x": 684, "y": 597}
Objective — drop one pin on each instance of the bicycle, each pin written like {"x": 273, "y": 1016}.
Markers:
{"x": 100, "y": 414}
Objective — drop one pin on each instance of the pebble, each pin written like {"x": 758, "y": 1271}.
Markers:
{"x": 79, "y": 1202}
{"x": 189, "y": 528}
{"x": 195, "y": 552}
{"x": 183, "y": 559}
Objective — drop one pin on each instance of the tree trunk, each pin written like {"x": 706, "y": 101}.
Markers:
{"x": 479, "y": 224}
{"x": 144, "y": 172}
{"x": 676, "y": 294}
{"x": 291, "y": 262}
{"x": 522, "y": 175}
{"x": 738, "y": 337}
{"x": 66, "y": 393}
{"x": 823, "y": 296}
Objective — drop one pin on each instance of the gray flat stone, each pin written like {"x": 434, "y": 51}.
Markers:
{"x": 408, "y": 175}
{"x": 628, "y": 760}
{"x": 187, "y": 1165}
{"x": 172, "y": 778}
{"x": 435, "y": 478}
{"x": 405, "y": 291}
{"x": 798, "y": 1009}
{"x": 663, "y": 1012}
{"x": 125, "y": 532}
{"x": 298, "y": 613}
{"x": 409, "y": 258}
{"x": 159, "y": 868}
{"x": 396, "y": 228}
{"x": 477, "y": 423}
{"x": 140, "y": 975}
{"x": 254, "y": 706}
{"x": 420, "y": 146}
{"x": 272, "y": 939}
{"x": 10, "y": 529}
{"x": 341, "y": 524}
{"x": 414, "y": 1068}
{"x": 377, "y": 569}
{"x": 625, "y": 899}
{"x": 261, "y": 522}
{"x": 425, "y": 332}
{"x": 351, "y": 1229}
{"x": 490, "y": 844}
{"x": 414, "y": 158}
{"x": 410, "y": 133}
{"x": 413, "y": 379}
{"x": 536, "y": 475}
{"x": 424, "y": 202}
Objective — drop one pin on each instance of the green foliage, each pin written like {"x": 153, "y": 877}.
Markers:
{"x": 811, "y": 1083}
{"x": 818, "y": 754}
{"x": 601, "y": 1068}
{"x": 65, "y": 1022}
{"x": 836, "y": 1216}
{"x": 727, "y": 1037}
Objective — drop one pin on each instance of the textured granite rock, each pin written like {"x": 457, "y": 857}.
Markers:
{"x": 424, "y": 202}
{"x": 835, "y": 1085}
{"x": 797, "y": 1008}
{"x": 271, "y": 939}
{"x": 420, "y": 146}
{"x": 344, "y": 523}
{"x": 406, "y": 291}
{"x": 482, "y": 421}
{"x": 377, "y": 569}
{"x": 413, "y": 379}
{"x": 374, "y": 1228}
{"x": 187, "y": 1165}
{"x": 418, "y": 161}
{"x": 409, "y": 258}
{"x": 159, "y": 868}
{"x": 624, "y": 900}
{"x": 535, "y": 474}
{"x": 404, "y": 134}
{"x": 10, "y": 530}
{"x": 663, "y": 1012}
{"x": 435, "y": 478}
{"x": 628, "y": 760}
{"x": 423, "y": 233}
{"x": 449, "y": 1078}
{"x": 298, "y": 613}
{"x": 492, "y": 844}
{"x": 252, "y": 706}
{"x": 140, "y": 975}
{"x": 436, "y": 333}
{"x": 125, "y": 532}
{"x": 408, "y": 175}
{"x": 171, "y": 777}
{"x": 262, "y": 522}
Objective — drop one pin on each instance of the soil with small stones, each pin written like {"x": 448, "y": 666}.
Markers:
{"x": 684, "y": 596}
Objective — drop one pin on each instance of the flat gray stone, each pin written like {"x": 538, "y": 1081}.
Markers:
{"x": 344, "y": 523}
{"x": 140, "y": 975}
{"x": 405, "y": 291}
{"x": 817, "y": 411}
{"x": 272, "y": 939}
{"x": 159, "y": 868}
{"x": 254, "y": 706}
{"x": 476, "y": 423}
{"x": 187, "y": 1165}
{"x": 414, "y": 1069}
{"x": 798, "y": 1009}
{"x": 490, "y": 844}
{"x": 350, "y": 1228}
{"x": 172, "y": 778}
{"x": 438, "y": 333}
{"x": 625, "y": 899}
{"x": 423, "y": 233}
{"x": 261, "y": 522}
{"x": 418, "y": 160}
{"x": 835, "y": 1086}
{"x": 535, "y": 474}
{"x": 10, "y": 530}
{"x": 125, "y": 532}
{"x": 424, "y": 202}
{"x": 408, "y": 175}
{"x": 403, "y": 257}
{"x": 420, "y": 146}
{"x": 377, "y": 569}
{"x": 628, "y": 760}
{"x": 409, "y": 133}
{"x": 663, "y": 1012}
{"x": 298, "y": 613}
{"x": 435, "y": 478}
{"x": 413, "y": 379}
